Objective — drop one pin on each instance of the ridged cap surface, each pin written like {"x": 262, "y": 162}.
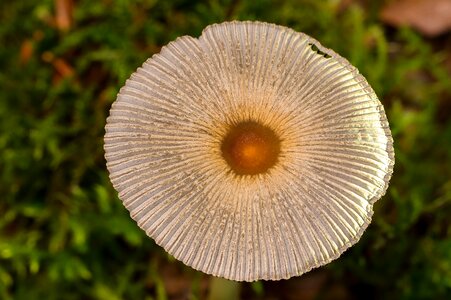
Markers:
{"x": 163, "y": 151}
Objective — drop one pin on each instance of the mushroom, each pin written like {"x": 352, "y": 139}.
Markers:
{"x": 251, "y": 152}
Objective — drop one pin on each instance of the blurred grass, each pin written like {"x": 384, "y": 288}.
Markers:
{"x": 65, "y": 235}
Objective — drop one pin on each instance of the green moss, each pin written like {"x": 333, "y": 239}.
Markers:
{"x": 65, "y": 235}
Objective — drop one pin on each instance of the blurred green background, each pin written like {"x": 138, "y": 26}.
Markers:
{"x": 64, "y": 234}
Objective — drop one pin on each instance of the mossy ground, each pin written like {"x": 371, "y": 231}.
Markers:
{"x": 65, "y": 235}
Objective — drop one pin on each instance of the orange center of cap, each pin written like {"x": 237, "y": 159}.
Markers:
{"x": 250, "y": 148}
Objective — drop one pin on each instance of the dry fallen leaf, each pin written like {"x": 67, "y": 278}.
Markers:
{"x": 63, "y": 68}
{"x": 26, "y": 51}
{"x": 430, "y": 17}
{"x": 63, "y": 14}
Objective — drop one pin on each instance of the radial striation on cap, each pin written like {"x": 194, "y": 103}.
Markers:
{"x": 251, "y": 152}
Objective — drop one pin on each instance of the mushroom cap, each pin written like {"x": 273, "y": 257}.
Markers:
{"x": 163, "y": 151}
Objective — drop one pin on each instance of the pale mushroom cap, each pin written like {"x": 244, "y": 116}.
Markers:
{"x": 163, "y": 150}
